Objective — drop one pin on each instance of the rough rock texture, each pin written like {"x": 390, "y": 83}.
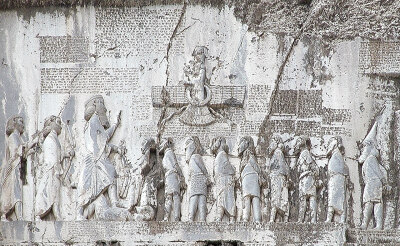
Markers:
{"x": 242, "y": 70}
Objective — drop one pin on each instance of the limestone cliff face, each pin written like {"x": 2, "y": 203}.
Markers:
{"x": 316, "y": 68}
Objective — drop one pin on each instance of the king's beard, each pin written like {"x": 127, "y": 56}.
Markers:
{"x": 102, "y": 113}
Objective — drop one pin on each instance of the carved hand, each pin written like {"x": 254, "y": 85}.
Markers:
{"x": 183, "y": 185}
{"x": 387, "y": 190}
{"x": 71, "y": 153}
{"x": 121, "y": 150}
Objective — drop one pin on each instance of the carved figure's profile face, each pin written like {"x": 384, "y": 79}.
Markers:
{"x": 19, "y": 125}
{"x": 368, "y": 148}
{"x": 332, "y": 144}
{"x": 299, "y": 145}
{"x": 215, "y": 145}
{"x": 272, "y": 146}
{"x": 147, "y": 145}
{"x": 199, "y": 54}
{"x": 243, "y": 145}
{"x": 166, "y": 143}
{"x": 56, "y": 125}
{"x": 101, "y": 111}
{"x": 190, "y": 148}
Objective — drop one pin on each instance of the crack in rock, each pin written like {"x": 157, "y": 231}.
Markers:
{"x": 174, "y": 34}
{"x": 315, "y": 11}
{"x": 69, "y": 92}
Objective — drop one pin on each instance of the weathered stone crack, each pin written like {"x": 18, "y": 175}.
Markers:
{"x": 171, "y": 39}
{"x": 70, "y": 91}
{"x": 240, "y": 44}
{"x": 312, "y": 13}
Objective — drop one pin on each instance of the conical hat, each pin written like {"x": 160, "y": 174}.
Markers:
{"x": 371, "y": 136}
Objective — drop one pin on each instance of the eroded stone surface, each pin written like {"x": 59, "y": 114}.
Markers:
{"x": 229, "y": 115}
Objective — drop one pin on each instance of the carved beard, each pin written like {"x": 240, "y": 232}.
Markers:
{"x": 189, "y": 152}
{"x": 271, "y": 148}
{"x": 215, "y": 147}
{"x": 58, "y": 128}
{"x": 20, "y": 128}
{"x": 102, "y": 113}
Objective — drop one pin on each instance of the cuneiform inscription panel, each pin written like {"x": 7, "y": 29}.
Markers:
{"x": 221, "y": 96}
{"x": 301, "y": 112}
{"x": 88, "y": 80}
{"x": 379, "y": 57}
{"x": 141, "y": 107}
{"x": 258, "y": 98}
{"x": 63, "y": 49}
{"x": 137, "y": 31}
{"x": 383, "y": 90}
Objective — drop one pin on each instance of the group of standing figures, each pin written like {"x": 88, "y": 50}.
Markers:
{"x": 106, "y": 191}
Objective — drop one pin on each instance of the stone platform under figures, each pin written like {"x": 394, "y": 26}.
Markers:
{"x": 171, "y": 233}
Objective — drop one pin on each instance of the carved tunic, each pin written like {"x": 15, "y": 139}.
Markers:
{"x": 172, "y": 172}
{"x": 225, "y": 183}
{"x": 197, "y": 91}
{"x": 98, "y": 173}
{"x": 250, "y": 172}
{"x": 198, "y": 176}
{"x": 149, "y": 192}
{"x": 49, "y": 185}
{"x": 337, "y": 171}
{"x": 278, "y": 175}
{"x": 11, "y": 189}
{"x": 308, "y": 173}
{"x": 373, "y": 176}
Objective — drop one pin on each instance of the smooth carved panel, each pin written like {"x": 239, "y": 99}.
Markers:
{"x": 88, "y": 80}
{"x": 63, "y": 49}
{"x": 137, "y": 31}
{"x": 222, "y": 96}
{"x": 379, "y": 57}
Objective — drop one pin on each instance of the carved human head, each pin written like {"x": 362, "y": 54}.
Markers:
{"x": 15, "y": 123}
{"x": 369, "y": 145}
{"x": 217, "y": 144}
{"x": 246, "y": 143}
{"x": 369, "y": 148}
{"x": 52, "y": 123}
{"x": 333, "y": 143}
{"x": 192, "y": 146}
{"x": 302, "y": 142}
{"x": 165, "y": 144}
{"x": 148, "y": 144}
{"x": 95, "y": 105}
{"x": 199, "y": 53}
{"x": 275, "y": 142}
